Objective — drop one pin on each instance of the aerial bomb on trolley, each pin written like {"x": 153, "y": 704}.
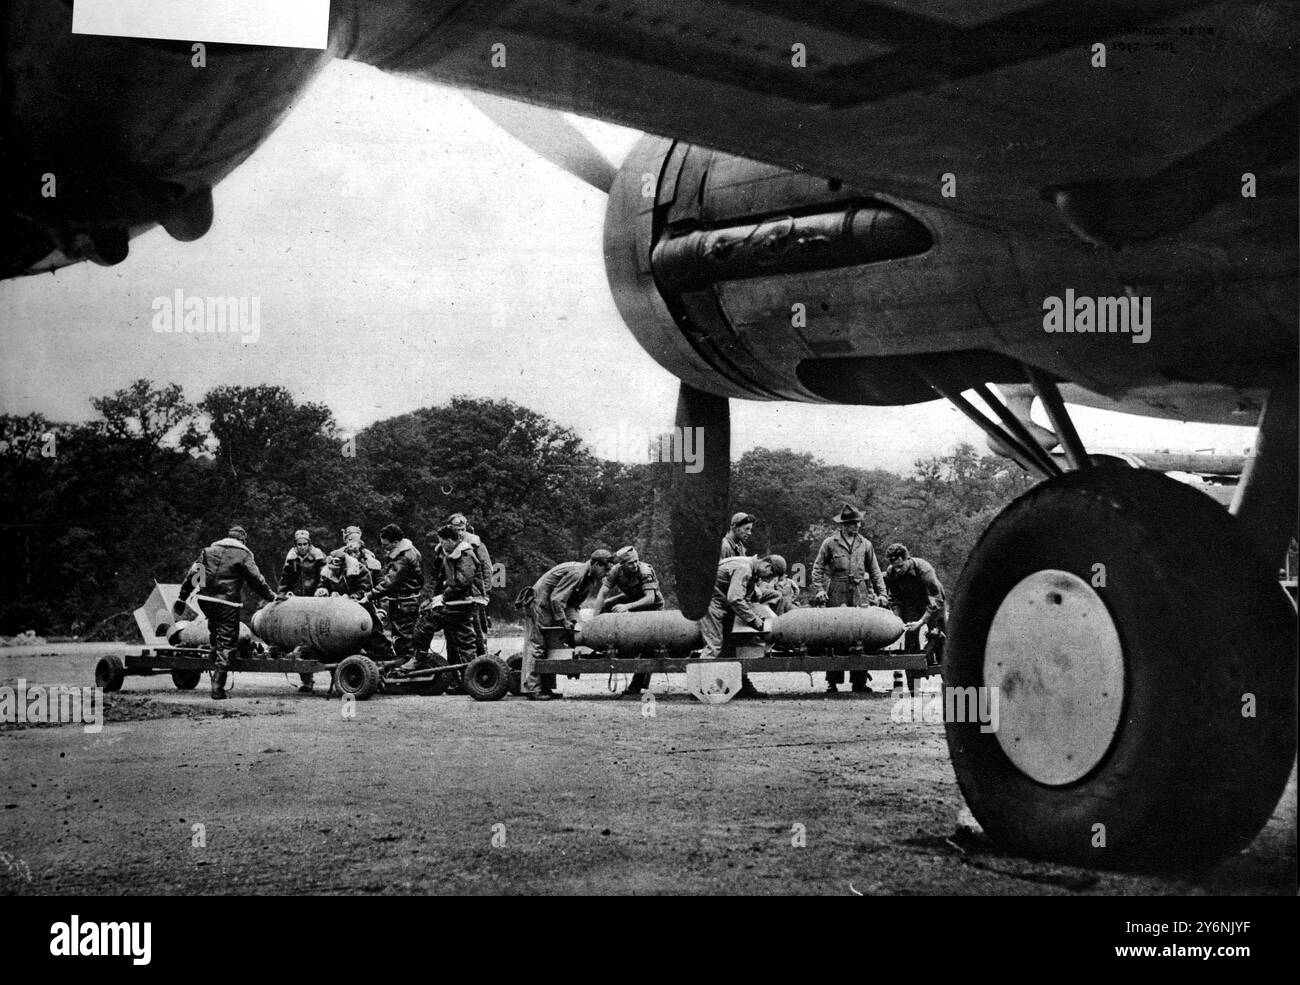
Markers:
{"x": 841, "y": 626}
{"x": 332, "y": 627}
{"x": 194, "y": 632}
{"x": 870, "y": 628}
{"x": 667, "y": 629}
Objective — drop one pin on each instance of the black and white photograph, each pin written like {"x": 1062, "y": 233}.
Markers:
{"x": 649, "y": 447}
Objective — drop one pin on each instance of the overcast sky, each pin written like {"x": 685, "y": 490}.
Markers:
{"x": 405, "y": 250}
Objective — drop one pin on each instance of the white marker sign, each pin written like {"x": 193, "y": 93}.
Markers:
{"x": 282, "y": 23}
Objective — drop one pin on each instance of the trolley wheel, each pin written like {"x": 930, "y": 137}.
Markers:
{"x": 358, "y": 676}
{"x": 487, "y": 679}
{"x": 186, "y": 680}
{"x": 516, "y": 665}
{"x": 109, "y": 673}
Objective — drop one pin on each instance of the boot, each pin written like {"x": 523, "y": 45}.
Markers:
{"x": 417, "y": 662}
{"x": 221, "y": 660}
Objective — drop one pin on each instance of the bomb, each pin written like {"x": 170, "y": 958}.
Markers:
{"x": 642, "y": 630}
{"x": 839, "y": 627}
{"x": 871, "y": 628}
{"x": 194, "y": 632}
{"x": 333, "y": 627}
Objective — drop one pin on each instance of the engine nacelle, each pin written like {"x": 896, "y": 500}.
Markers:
{"x": 746, "y": 280}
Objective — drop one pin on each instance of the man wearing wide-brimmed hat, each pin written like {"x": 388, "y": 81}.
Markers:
{"x": 846, "y": 573}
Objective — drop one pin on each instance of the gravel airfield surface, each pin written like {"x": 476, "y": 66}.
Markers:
{"x": 276, "y": 792}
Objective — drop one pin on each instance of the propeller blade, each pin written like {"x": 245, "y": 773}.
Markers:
{"x": 548, "y": 134}
{"x": 699, "y": 500}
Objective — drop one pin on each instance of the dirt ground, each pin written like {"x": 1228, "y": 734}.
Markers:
{"x": 448, "y": 795}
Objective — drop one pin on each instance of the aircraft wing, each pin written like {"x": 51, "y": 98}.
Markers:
{"x": 1006, "y": 96}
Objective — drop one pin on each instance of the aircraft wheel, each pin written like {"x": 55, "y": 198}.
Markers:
{"x": 110, "y": 673}
{"x": 1144, "y": 668}
{"x": 516, "y": 665}
{"x": 186, "y": 680}
{"x": 487, "y": 679}
{"x": 358, "y": 676}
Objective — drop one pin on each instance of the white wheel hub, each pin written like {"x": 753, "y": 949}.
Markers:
{"x": 1054, "y": 655}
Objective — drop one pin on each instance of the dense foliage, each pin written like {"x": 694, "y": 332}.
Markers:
{"x": 96, "y": 512}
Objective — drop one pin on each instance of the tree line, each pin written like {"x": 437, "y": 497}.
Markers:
{"x": 96, "y": 512}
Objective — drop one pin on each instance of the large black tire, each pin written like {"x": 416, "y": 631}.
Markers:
{"x": 358, "y": 676}
{"x": 110, "y": 673}
{"x": 516, "y": 665}
{"x": 1201, "y": 623}
{"x": 186, "y": 680}
{"x": 487, "y": 679}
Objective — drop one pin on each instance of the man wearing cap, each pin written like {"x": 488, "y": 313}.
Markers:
{"x": 301, "y": 575}
{"x": 354, "y": 544}
{"x": 447, "y": 602}
{"x": 740, "y": 584}
{"x": 915, "y": 594}
{"x": 401, "y": 583}
{"x": 346, "y": 575}
{"x": 484, "y": 561}
{"x": 735, "y": 542}
{"x": 846, "y": 573}
{"x": 217, "y": 581}
{"x": 630, "y": 586}
{"x": 553, "y": 601}
{"x": 302, "y": 566}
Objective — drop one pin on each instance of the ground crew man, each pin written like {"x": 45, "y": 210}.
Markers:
{"x": 787, "y": 592}
{"x": 347, "y": 575}
{"x": 484, "y": 587}
{"x": 447, "y": 602}
{"x": 354, "y": 544}
{"x": 554, "y": 601}
{"x": 401, "y": 583}
{"x": 736, "y": 542}
{"x": 737, "y": 589}
{"x": 344, "y": 575}
{"x": 217, "y": 581}
{"x": 846, "y": 573}
{"x": 302, "y": 566}
{"x": 915, "y": 595}
{"x": 301, "y": 575}
{"x": 630, "y": 586}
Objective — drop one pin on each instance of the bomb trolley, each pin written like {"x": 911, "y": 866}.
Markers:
{"x": 333, "y": 631}
{"x": 484, "y": 678}
{"x": 800, "y": 641}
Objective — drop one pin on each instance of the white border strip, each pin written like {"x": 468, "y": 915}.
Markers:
{"x": 282, "y": 23}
